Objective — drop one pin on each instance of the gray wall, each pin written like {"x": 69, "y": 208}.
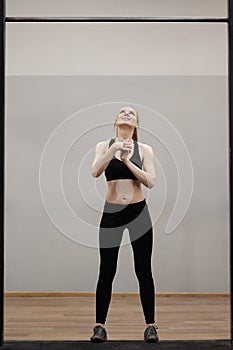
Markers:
{"x": 69, "y": 81}
{"x": 162, "y": 8}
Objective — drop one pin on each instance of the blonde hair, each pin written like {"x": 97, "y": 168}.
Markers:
{"x": 135, "y": 133}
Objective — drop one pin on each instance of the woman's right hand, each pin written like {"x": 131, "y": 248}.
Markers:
{"x": 124, "y": 145}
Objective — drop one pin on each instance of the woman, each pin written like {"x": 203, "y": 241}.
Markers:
{"x": 125, "y": 206}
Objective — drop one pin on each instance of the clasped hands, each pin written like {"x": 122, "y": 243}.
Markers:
{"x": 126, "y": 149}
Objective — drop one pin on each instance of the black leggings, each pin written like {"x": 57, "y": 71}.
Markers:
{"x": 115, "y": 218}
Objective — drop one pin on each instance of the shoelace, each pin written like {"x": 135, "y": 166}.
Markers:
{"x": 151, "y": 329}
{"x": 98, "y": 329}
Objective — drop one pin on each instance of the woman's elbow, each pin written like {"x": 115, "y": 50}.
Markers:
{"x": 151, "y": 183}
{"x": 94, "y": 173}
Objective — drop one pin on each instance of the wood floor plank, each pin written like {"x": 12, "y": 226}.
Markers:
{"x": 73, "y": 318}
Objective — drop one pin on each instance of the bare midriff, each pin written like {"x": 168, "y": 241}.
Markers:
{"x": 124, "y": 191}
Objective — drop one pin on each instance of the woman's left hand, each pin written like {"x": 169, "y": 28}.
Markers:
{"x": 125, "y": 153}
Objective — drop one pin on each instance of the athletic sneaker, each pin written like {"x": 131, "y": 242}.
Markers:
{"x": 150, "y": 334}
{"x": 99, "y": 334}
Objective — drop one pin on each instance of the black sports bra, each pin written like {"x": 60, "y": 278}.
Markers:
{"x": 116, "y": 169}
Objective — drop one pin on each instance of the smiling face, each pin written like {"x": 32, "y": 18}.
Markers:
{"x": 128, "y": 116}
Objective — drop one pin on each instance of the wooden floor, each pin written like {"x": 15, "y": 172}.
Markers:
{"x": 73, "y": 318}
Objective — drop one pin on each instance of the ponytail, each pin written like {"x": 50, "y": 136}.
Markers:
{"x": 135, "y": 135}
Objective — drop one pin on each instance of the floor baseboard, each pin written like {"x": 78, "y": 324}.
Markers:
{"x": 224, "y": 344}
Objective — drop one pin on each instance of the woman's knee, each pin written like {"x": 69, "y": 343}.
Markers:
{"x": 144, "y": 273}
{"x": 107, "y": 273}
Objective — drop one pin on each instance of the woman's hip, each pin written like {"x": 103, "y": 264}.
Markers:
{"x": 115, "y": 215}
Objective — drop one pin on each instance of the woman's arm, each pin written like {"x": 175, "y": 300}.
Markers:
{"x": 102, "y": 158}
{"x": 148, "y": 176}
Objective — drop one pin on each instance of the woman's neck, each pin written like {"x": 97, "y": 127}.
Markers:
{"x": 123, "y": 138}
{"x": 124, "y": 135}
{"x": 125, "y": 132}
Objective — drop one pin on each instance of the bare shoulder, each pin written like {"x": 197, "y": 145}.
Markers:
{"x": 102, "y": 146}
{"x": 145, "y": 148}
{"x": 145, "y": 151}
